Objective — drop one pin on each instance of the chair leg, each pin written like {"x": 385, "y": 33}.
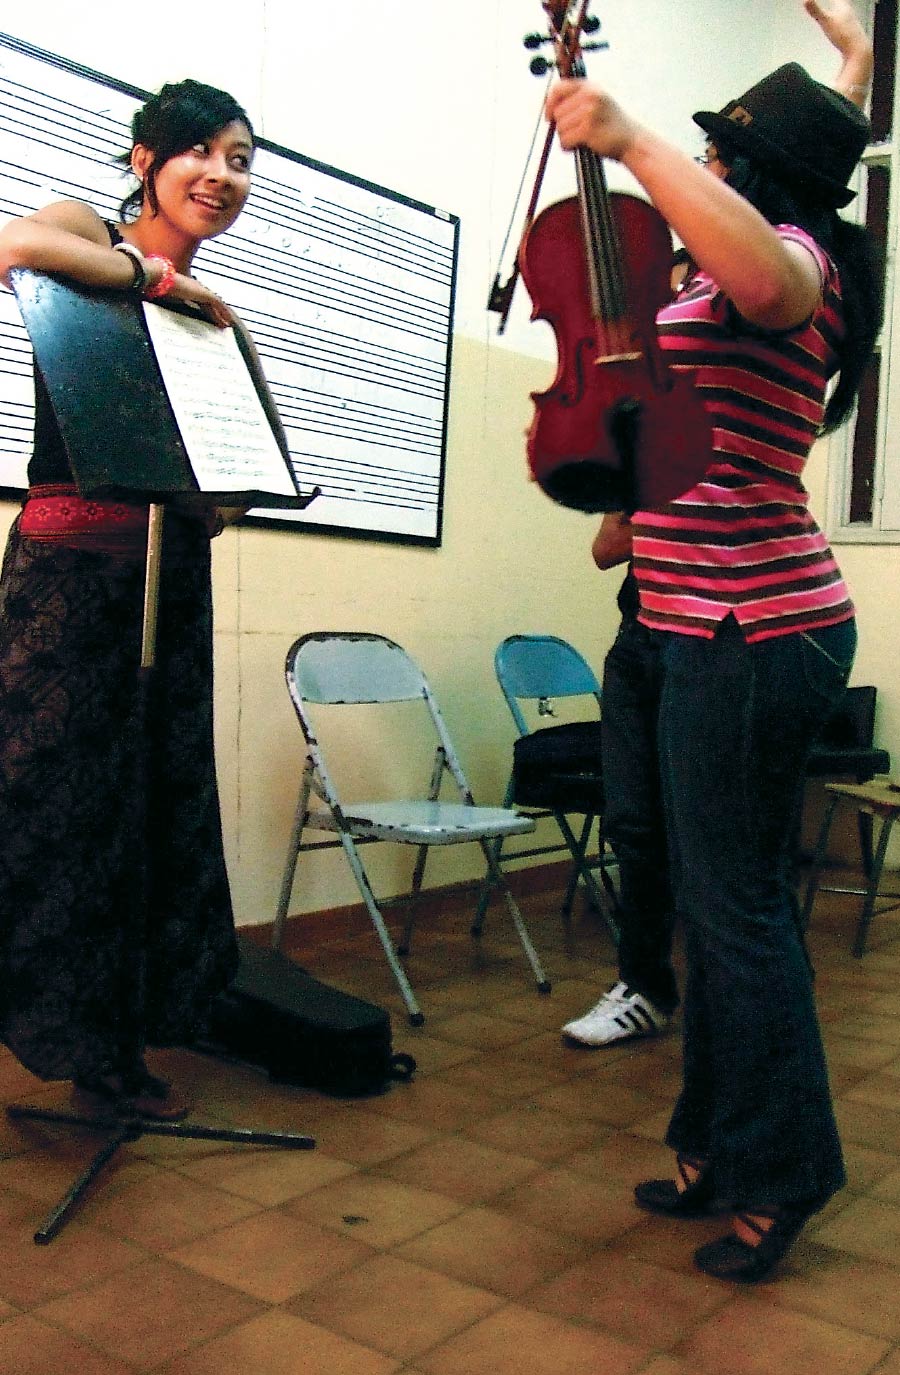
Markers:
{"x": 579, "y": 865}
{"x": 487, "y": 887}
{"x": 500, "y": 882}
{"x": 866, "y": 825}
{"x": 415, "y": 1013}
{"x": 287, "y": 881}
{"x": 412, "y": 905}
{"x": 865, "y": 918}
{"x": 815, "y": 873}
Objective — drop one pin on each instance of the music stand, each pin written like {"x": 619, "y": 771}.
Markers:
{"x": 122, "y": 438}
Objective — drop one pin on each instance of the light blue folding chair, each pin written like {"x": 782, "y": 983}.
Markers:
{"x": 352, "y": 669}
{"x": 541, "y": 669}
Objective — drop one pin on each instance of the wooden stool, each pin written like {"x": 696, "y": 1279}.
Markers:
{"x": 880, "y": 798}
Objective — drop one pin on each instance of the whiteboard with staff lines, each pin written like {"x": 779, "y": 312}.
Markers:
{"x": 347, "y": 288}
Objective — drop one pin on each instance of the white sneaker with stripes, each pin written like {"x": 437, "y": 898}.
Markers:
{"x": 619, "y": 1015}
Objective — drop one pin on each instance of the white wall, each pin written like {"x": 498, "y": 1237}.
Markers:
{"x": 435, "y": 102}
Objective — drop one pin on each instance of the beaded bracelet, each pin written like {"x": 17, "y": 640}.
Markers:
{"x": 166, "y": 281}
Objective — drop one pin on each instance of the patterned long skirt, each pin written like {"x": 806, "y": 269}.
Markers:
{"x": 116, "y": 927}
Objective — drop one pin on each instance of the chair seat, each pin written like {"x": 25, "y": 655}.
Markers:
{"x": 425, "y": 823}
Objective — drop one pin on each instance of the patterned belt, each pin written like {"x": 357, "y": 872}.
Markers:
{"x": 55, "y": 513}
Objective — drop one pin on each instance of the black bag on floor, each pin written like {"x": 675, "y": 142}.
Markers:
{"x": 560, "y": 767}
{"x": 301, "y": 1031}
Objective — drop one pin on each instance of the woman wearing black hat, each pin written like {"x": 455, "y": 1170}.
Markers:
{"x": 753, "y": 621}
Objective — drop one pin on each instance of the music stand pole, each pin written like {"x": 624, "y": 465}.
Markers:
{"x": 126, "y": 1127}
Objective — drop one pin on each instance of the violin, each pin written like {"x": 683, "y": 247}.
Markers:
{"x": 617, "y": 430}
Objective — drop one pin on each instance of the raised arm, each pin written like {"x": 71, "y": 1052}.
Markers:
{"x": 841, "y": 25}
{"x": 772, "y": 282}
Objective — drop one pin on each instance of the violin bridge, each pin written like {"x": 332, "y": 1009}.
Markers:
{"x": 618, "y": 358}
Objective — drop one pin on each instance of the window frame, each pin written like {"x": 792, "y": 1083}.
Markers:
{"x": 884, "y": 526}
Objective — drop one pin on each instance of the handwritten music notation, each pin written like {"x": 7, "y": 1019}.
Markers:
{"x": 346, "y": 288}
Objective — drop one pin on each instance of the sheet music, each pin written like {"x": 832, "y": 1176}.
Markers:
{"x": 346, "y": 288}
{"x": 223, "y": 426}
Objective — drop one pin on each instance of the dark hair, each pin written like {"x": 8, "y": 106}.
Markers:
{"x": 180, "y": 115}
{"x": 851, "y": 249}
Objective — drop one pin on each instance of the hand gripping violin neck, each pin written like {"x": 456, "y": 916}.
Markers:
{"x": 617, "y": 429}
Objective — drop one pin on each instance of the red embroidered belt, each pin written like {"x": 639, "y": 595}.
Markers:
{"x": 56, "y": 514}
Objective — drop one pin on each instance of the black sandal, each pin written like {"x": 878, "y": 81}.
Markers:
{"x": 732, "y": 1258}
{"x": 696, "y": 1199}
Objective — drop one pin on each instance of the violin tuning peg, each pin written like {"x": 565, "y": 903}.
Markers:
{"x": 593, "y": 47}
{"x": 591, "y": 24}
{"x": 534, "y": 40}
{"x": 539, "y": 66}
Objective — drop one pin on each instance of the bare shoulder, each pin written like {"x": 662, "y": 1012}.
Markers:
{"x": 76, "y": 218}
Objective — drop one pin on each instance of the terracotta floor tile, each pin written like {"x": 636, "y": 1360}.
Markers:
{"x": 29, "y": 1347}
{"x": 431, "y": 1052}
{"x": 149, "y": 1313}
{"x": 500, "y": 1176}
{"x": 539, "y": 1132}
{"x": 667, "y": 1242}
{"x": 279, "y": 1344}
{"x": 429, "y": 1098}
{"x": 485, "y": 1074}
{"x": 625, "y": 1158}
{"x": 586, "y": 1096}
{"x": 479, "y": 1030}
{"x": 368, "y": 1138}
{"x": 843, "y": 1289}
{"x": 629, "y": 1297}
{"x": 881, "y": 1090}
{"x": 890, "y": 1365}
{"x": 461, "y": 1169}
{"x": 517, "y": 1341}
{"x": 164, "y": 1209}
{"x": 666, "y": 1365}
{"x": 378, "y": 1212}
{"x": 569, "y": 1204}
{"x": 869, "y": 1027}
{"x": 866, "y": 1227}
{"x": 46, "y": 1175}
{"x": 494, "y": 1251}
{"x": 888, "y": 1187}
{"x": 866, "y": 1167}
{"x": 742, "y": 1337}
{"x": 394, "y": 1306}
{"x": 269, "y": 1177}
{"x": 270, "y": 1256}
{"x": 80, "y": 1254}
{"x": 869, "y": 1055}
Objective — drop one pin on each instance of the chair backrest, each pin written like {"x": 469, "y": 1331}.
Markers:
{"x": 541, "y": 667}
{"x": 355, "y": 668}
{"x": 352, "y": 667}
{"x": 851, "y": 725}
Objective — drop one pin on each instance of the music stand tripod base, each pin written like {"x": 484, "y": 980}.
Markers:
{"x": 127, "y": 1129}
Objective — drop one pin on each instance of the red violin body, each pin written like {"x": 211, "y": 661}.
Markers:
{"x": 617, "y": 429}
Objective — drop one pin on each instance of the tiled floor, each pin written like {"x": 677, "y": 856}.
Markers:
{"x": 476, "y": 1221}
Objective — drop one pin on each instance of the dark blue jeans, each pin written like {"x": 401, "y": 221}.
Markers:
{"x": 736, "y": 724}
{"x": 633, "y": 820}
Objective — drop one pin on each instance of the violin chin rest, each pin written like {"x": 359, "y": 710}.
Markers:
{"x": 588, "y": 485}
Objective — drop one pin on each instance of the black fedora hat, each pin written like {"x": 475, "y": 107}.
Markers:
{"x": 799, "y": 129}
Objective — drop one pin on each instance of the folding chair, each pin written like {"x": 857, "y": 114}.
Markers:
{"x": 845, "y": 751}
{"x": 341, "y": 668}
{"x": 542, "y": 668}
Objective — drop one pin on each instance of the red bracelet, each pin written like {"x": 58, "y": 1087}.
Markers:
{"x": 166, "y": 281}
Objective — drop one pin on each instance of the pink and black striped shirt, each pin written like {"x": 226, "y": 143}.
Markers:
{"x": 742, "y": 541}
